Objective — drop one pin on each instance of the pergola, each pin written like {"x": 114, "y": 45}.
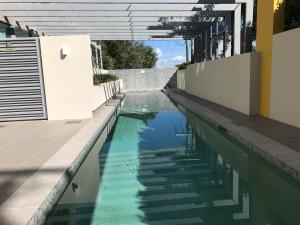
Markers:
{"x": 127, "y": 19}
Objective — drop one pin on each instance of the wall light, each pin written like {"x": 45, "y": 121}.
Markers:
{"x": 64, "y": 52}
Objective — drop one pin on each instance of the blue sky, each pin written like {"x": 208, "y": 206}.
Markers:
{"x": 169, "y": 52}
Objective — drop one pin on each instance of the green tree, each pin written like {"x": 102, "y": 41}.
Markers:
{"x": 292, "y": 14}
{"x": 108, "y": 61}
{"x": 127, "y": 55}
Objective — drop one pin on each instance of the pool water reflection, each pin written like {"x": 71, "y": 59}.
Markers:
{"x": 162, "y": 164}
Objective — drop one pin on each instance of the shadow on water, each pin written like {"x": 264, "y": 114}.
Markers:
{"x": 164, "y": 166}
{"x": 188, "y": 182}
{"x": 77, "y": 204}
{"x": 211, "y": 180}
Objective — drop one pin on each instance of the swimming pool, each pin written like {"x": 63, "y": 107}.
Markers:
{"x": 162, "y": 164}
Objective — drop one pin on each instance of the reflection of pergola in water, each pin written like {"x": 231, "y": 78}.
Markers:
{"x": 194, "y": 184}
{"x": 236, "y": 206}
{"x": 214, "y": 186}
{"x": 136, "y": 19}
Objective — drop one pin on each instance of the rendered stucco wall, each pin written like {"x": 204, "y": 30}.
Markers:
{"x": 144, "y": 79}
{"x": 68, "y": 80}
{"x": 285, "y": 84}
{"x": 103, "y": 92}
{"x": 98, "y": 96}
{"x": 232, "y": 82}
{"x": 181, "y": 79}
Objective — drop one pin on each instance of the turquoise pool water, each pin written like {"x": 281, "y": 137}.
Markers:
{"x": 161, "y": 164}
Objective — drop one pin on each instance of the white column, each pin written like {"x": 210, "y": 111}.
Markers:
{"x": 249, "y": 10}
{"x": 192, "y": 50}
{"x": 97, "y": 60}
{"x": 228, "y": 47}
{"x": 101, "y": 59}
{"x": 237, "y": 30}
{"x": 219, "y": 50}
{"x": 249, "y": 22}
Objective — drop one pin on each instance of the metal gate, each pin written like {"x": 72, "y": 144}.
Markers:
{"x": 21, "y": 82}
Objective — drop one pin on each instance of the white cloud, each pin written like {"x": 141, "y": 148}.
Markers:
{"x": 165, "y": 61}
{"x": 178, "y": 58}
{"x": 158, "y": 53}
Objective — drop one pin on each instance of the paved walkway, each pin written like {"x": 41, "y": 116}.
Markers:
{"x": 277, "y": 142}
{"x": 38, "y": 159}
{"x": 25, "y": 146}
{"x": 280, "y": 132}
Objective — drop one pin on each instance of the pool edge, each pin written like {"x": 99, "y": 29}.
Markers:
{"x": 31, "y": 207}
{"x": 264, "y": 146}
{"x": 59, "y": 188}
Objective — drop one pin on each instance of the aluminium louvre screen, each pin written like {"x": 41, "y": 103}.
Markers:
{"x": 21, "y": 81}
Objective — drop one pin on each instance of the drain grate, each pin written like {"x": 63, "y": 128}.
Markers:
{"x": 73, "y": 121}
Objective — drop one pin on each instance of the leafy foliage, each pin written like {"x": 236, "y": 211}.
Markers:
{"x": 292, "y": 14}
{"x": 197, "y": 24}
{"x": 104, "y": 78}
{"x": 183, "y": 66}
{"x": 127, "y": 55}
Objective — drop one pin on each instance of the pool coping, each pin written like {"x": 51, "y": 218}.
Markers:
{"x": 284, "y": 158}
{"x": 31, "y": 207}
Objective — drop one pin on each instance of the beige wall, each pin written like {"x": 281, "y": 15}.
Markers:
{"x": 68, "y": 80}
{"x": 105, "y": 91}
{"x": 285, "y": 84}
{"x": 98, "y": 96}
{"x": 232, "y": 82}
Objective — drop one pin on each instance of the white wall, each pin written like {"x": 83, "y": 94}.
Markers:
{"x": 285, "y": 84}
{"x": 98, "y": 96}
{"x": 232, "y": 82}
{"x": 68, "y": 80}
{"x": 181, "y": 79}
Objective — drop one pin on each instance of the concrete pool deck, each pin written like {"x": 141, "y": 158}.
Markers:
{"x": 38, "y": 158}
{"x": 276, "y": 142}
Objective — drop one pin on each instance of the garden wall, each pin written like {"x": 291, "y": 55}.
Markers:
{"x": 103, "y": 92}
{"x": 232, "y": 82}
{"x": 144, "y": 79}
{"x": 285, "y": 84}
